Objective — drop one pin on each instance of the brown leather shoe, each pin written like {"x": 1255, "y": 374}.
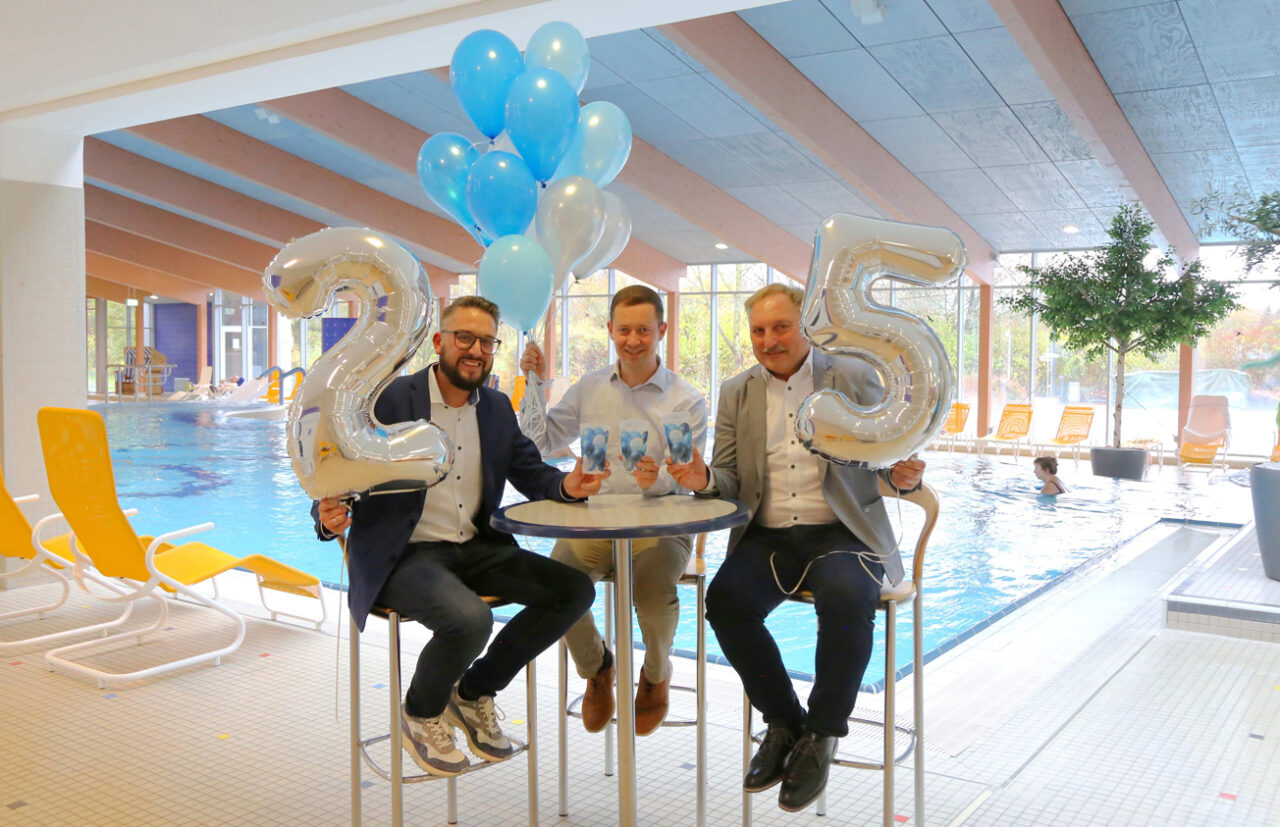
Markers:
{"x": 651, "y": 704}
{"x": 597, "y": 702}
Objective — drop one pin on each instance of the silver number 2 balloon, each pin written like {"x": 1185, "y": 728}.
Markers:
{"x": 336, "y": 446}
{"x": 841, "y": 319}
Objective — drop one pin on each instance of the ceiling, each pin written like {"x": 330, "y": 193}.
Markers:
{"x": 1006, "y": 120}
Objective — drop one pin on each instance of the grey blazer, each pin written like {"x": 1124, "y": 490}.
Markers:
{"x": 738, "y": 466}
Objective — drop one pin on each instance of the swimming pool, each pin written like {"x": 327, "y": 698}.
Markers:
{"x": 996, "y": 544}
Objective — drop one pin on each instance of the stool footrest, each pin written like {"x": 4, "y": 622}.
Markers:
{"x": 384, "y": 774}
{"x": 573, "y": 710}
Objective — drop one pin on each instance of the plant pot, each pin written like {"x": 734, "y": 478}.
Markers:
{"x": 1264, "y": 480}
{"x": 1122, "y": 463}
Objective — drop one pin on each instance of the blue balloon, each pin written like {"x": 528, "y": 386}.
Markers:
{"x": 444, "y": 162}
{"x": 542, "y": 113}
{"x": 562, "y": 48}
{"x": 515, "y": 273}
{"x": 501, "y": 194}
{"x": 601, "y": 144}
{"x": 481, "y": 71}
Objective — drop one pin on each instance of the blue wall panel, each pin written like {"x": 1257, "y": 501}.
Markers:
{"x": 176, "y": 339}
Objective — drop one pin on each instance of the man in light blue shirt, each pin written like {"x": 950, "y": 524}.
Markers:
{"x": 637, "y": 387}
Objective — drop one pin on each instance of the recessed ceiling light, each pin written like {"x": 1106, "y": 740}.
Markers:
{"x": 1070, "y": 229}
{"x": 720, "y": 245}
{"x": 153, "y": 296}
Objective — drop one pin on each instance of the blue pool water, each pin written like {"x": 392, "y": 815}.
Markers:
{"x": 996, "y": 543}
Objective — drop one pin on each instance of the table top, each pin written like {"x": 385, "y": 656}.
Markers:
{"x": 607, "y": 516}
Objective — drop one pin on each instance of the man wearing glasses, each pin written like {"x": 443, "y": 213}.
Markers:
{"x": 638, "y": 387}
{"x": 429, "y": 555}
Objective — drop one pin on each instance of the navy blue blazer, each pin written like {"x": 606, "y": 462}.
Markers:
{"x": 382, "y": 525}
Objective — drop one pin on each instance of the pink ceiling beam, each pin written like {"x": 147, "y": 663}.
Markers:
{"x": 231, "y": 151}
{"x": 739, "y": 56}
{"x": 96, "y": 288}
{"x": 109, "y": 164}
{"x": 144, "y": 280}
{"x": 344, "y": 118}
{"x": 1051, "y": 43}
{"x": 175, "y": 261}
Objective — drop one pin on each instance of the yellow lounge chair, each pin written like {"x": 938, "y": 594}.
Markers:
{"x": 1073, "y": 429}
{"x": 955, "y": 423}
{"x": 1015, "y": 425}
{"x": 78, "y": 462}
{"x": 1275, "y": 452}
{"x": 1208, "y": 428}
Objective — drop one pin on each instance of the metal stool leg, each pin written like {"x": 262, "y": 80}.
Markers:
{"x": 564, "y": 729}
{"x": 917, "y": 622}
{"x": 353, "y": 658}
{"x": 609, "y": 594}
{"x": 700, "y": 691}
{"x": 890, "y": 639}
{"x": 397, "y": 753}
{"x": 452, "y": 787}
{"x": 531, "y": 743}
{"x": 746, "y": 757}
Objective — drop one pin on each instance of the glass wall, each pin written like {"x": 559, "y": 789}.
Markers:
{"x": 91, "y": 342}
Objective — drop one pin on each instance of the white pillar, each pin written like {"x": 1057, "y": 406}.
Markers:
{"x": 42, "y": 311}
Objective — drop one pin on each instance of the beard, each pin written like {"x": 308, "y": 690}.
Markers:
{"x": 459, "y": 381}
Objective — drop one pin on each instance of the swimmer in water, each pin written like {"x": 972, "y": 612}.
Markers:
{"x": 1046, "y": 471}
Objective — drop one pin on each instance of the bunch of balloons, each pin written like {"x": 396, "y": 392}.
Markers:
{"x": 532, "y": 193}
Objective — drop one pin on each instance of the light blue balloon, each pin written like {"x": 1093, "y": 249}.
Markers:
{"x": 515, "y": 273}
{"x": 481, "y": 71}
{"x": 542, "y": 113}
{"x": 501, "y": 194}
{"x": 601, "y": 144}
{"x": 444, "y": 162}
{"x": 562, "y": 48}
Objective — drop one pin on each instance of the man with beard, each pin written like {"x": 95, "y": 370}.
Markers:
{"x": 429, "y": 555}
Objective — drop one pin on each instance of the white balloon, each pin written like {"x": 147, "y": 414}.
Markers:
{"x": 569, "y": 221}
{"x": 613, "y": 238}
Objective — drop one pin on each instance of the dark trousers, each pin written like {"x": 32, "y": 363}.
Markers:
{"x": 744, "y": 592}
{"x": 439, "y": 585}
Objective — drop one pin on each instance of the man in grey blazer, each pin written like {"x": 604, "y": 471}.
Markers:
{"x": 815, "y": 525}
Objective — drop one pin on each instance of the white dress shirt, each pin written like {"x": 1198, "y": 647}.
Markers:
{"x": 449, "y": 514}
{"x": 793, "y": 476}
{"x": 602, "y": 397}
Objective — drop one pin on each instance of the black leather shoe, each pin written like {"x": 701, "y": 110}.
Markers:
{"x": 805, "y": 776}
{"x": 765, "y": 768}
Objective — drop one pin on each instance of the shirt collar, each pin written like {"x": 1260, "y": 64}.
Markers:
{"x": 661, "y": 377}
{"x": 438, "y": 398}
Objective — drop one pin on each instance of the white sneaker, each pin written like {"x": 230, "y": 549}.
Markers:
{"x": 478, "y": 720}
{"x": 430, "y": 743}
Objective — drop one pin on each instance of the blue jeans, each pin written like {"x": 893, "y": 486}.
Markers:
{"x": 744, "y": 592}
{"x": 439, "y": 585}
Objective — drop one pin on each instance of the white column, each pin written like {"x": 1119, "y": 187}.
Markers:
{"x": 42, "y": 311}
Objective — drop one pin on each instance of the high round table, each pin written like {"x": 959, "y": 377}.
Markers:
{"x": 622, "y": 518}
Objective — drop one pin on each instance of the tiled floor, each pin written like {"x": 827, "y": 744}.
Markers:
{"x": 1080, "y": 709}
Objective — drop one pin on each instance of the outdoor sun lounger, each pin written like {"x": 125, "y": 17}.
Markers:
{"x": 1208, "y": 428}
{"x": 954, "y": 426}
{"x": 1073, "y": 429}
{"x": 78, "y": 462}
{"x": 1015, "y": 425}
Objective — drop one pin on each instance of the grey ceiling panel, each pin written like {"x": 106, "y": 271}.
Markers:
{"x": 691, "y": 247}
{"x": 1092, "y": 183}
{"x": 938, "y": 74}
{"x": 858, "y": 84}
{"x": 635, "y": 56}
{"x": 1078, "y": 7}
{"x": 430, "y": 89}
{"x": 772, "y": 159}
{"x": 1053, "y": 131}
{"x": 801, "y": 27}
{"x": 1236, "y": 39}
{"x": 1051, "y": 222}
{"x": 991, "y": 137}
{"x": 967, "y": 191}
{"x": 648, "y": 213}
{"x": 1008, "y": 231}
{"x": 1189, "y": 175}
{"x": 1251, "y": 109}
{"x": 1141, "y": 48}
{"x": 649, "y": 119}
{"x": 1035, "y": 187}
{"x": 804, "y": 232}
{"x": 903, "y": 20}
{"x": 919, "y": 143}
{"x": 417, "y": 107}
{"x": 600, "y": 75}
{"x": 966, "y": 15}
{"x": 694, "y": 99}
{"x": 714, "y": 162}
{"x": 1001, "y": 59}
{"x": 1176, "y": 120}
{"x": 830, "y": 196}
{"x": 776, "y": 204}
{"x": 1262, "y": 165}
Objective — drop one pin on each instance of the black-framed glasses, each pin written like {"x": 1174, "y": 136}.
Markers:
{"x": 465, "y": 339}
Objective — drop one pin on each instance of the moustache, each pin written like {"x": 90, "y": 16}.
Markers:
{"x": 774, "y": 350}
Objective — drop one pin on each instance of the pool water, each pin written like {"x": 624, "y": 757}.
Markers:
{"x": 996, "y": 544}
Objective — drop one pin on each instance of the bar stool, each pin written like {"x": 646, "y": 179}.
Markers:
{"x": 395, "y": 773}
{"x": 890, "y": 597}
{"x": 695, "y": 574}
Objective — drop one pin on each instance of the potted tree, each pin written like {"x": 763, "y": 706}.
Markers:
{"x": 1110, "y": 299}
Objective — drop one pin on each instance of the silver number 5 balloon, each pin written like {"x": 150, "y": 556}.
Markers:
{"x": 841, "y": 319}
{"x": 336, "y": 446}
